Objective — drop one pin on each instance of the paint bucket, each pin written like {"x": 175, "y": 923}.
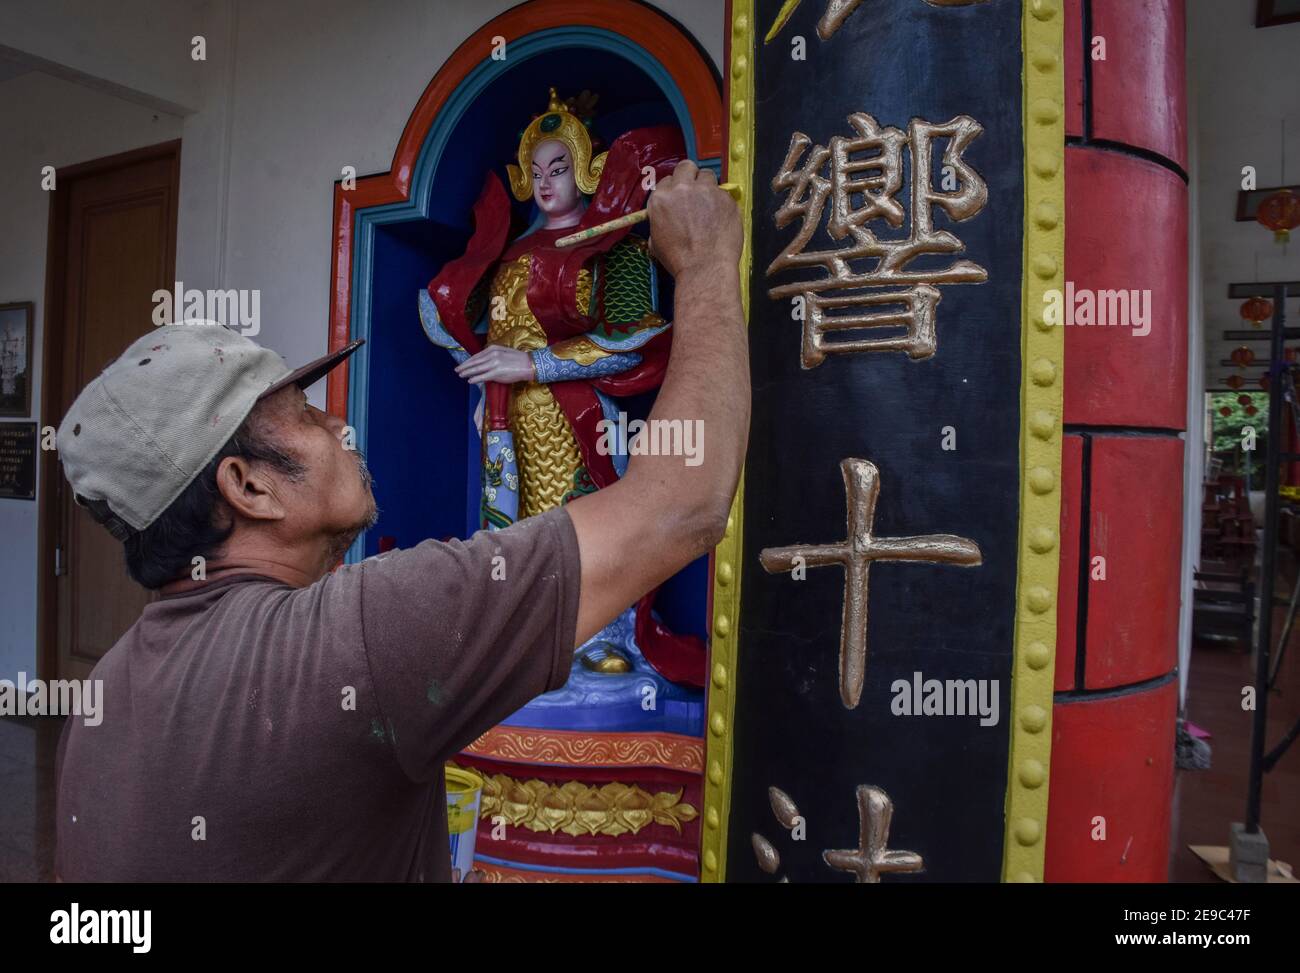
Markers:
{"x": 464, "y": 794}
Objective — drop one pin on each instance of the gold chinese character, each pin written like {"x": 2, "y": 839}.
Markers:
{"x": 867, "y": 861}
{"x": 873, "y": 854}
{"x": 868, "y": 168}
{"x": 837, "y": 11}
{"x": 769, "y": 859}
{"x": 855, "y": 554}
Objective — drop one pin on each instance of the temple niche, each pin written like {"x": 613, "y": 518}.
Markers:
{"x": 601, "y": 780}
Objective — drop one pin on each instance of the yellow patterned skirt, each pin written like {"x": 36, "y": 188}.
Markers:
{"x": 546, "y": 447}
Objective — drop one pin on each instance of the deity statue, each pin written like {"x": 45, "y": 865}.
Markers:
{"x": 554, "y": 337}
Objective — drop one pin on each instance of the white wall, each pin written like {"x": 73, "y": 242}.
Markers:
{"x": 316, "y": 87}
{"x": 139, "y": 50}
{"x": 1194, "y": 437}
{"x": 291, "y": 91}
{"x": 1246, "y": 81}
{"x": 46, "y": 121}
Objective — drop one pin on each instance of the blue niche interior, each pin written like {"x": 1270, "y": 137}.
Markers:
{"x": 413, "y": 416}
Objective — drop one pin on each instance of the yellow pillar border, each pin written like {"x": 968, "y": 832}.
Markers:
{"x": 1043, "y": 359}
{"x": 727, "y": 556}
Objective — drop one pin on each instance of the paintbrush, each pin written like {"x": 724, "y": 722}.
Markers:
{"x": 631, "y": 219}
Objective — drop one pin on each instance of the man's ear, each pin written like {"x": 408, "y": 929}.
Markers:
{"x": 249, "y": 489}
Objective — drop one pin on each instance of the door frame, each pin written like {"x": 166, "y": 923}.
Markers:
{"x": 51, "y": 484}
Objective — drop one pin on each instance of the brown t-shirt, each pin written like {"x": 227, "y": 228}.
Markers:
{"x": 255, "y": 731}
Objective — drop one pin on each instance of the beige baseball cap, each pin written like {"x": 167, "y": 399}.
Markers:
{"x": 140, "y": 433}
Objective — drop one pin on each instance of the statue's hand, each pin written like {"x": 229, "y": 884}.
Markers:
{"x": 497, "y": 363}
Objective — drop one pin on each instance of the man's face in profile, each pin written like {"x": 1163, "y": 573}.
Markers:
{"x": 334, "y": 495}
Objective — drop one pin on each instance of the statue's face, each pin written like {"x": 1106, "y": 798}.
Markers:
{"x": 554, "y": 188}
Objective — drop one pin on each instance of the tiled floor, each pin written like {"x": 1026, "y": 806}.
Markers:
{"x": 27, "y": 748}
{"x": 1206, "y": 802}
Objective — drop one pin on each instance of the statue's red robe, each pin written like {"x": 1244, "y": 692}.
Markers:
{"x": 552, "y": 297}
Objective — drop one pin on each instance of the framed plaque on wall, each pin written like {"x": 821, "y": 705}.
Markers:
{"x": 18, "y": 460}
{"x": 16, "y": 359}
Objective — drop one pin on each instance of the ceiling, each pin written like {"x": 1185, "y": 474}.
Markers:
{"x": 11, "y": 69}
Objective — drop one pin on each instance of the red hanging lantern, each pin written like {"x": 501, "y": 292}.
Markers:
{"x": 1225, "y": 411}
{"x": 1251, "y": 410}
{"x": 1234, "y": 382}
{"x": 1243, "y": 356}
{"x": 1243, "y": 399}
{"x": 1257, "y": 311}
{"x": 1280, "y": 213}
{"x": 1263, "y": 382}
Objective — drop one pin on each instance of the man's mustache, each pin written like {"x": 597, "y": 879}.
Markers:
{"x": 367, "y": 479}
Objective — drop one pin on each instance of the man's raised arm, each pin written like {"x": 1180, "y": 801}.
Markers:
{"x": 663, "y": 513}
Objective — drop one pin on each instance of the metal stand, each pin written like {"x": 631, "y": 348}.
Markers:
{"x": 1289, "y": 391}
{"x": 1248, "y": 847}
{"x": 1285, "y": 637}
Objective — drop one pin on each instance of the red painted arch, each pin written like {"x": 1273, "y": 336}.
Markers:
{"x": 642, "y": 25}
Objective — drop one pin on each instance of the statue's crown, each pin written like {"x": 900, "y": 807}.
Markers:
{"x": 564, "y": 121}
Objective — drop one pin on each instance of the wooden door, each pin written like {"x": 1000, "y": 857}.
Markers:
{"x": 112, "y": 245}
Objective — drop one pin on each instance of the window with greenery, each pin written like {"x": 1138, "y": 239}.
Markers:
{"x": 1228, "y": 437}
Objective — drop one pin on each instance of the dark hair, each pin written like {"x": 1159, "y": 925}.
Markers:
{"x": 197, "y": 523}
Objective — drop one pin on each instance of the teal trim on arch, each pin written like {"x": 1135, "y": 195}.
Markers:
{"x": 524, "y": 49}
{"x": 416, "y": 206}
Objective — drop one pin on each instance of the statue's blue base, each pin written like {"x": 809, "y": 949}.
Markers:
{"x": 640, "y": 700}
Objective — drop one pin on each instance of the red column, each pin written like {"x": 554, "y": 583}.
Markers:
{"x": 1122, "y": 468}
